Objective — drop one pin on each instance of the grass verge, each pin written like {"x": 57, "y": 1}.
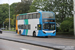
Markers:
{"x": 9, "y": 30}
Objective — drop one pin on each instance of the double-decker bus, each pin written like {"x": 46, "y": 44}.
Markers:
{"x": 36, "y": 24}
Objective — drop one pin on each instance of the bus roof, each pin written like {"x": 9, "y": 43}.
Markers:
{"x": 28, "y": 13}
{"x": 35, "y": 12}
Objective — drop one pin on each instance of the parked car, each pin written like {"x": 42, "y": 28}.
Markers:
{"x": 0, "y": 31}
{"x": 3, "y": 28}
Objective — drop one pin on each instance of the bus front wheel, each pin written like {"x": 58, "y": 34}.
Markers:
{"x": 34, "y": 34}
{"x": 46, "y": 36}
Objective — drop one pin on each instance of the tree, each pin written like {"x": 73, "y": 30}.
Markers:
{"x": 6, "y": 22}
{"x": 22, "y": 8}
{"x": 36, "y": 5}
{"x": 13, "y": 14}
{"x": 67, "y": 24}
{"x": 12, "y": 9}
{"x": 3, "y": 13}
{"x": 63, "y": 7}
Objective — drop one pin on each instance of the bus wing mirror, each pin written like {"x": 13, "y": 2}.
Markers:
{"x": 35, "y": 27}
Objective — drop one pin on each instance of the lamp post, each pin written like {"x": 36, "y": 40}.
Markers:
{"x": 74, "y": 15}
{"x": 9, "y": 14}
{"x": 3, "y": 25}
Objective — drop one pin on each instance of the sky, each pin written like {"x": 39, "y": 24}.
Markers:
{"x": 9, "y": 1}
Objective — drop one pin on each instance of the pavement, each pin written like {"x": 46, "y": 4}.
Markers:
{"x": 52, "y": 42}
{"x": 11, "y": 45}
{"x": 65, "y": 36}
{"x": 57, "y": 36}
{"x": 43, "y": 44}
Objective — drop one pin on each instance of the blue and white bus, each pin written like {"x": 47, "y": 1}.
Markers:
{"x": 36, "y": 24}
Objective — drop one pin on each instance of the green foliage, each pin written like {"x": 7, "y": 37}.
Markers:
{"x": 22, "y": 8}
{"x": 3, "y": 13}
{"x": 66, "y": 33}
{"x": 67, "y": 24}
{"x": 15, "y": 9}
{"x": 12, "y": 9}
{"x": 37, "y": 4}
{"x": 6, "y": 22}
{"x": 63, "y": 7}
{"x": 58, "y": 29}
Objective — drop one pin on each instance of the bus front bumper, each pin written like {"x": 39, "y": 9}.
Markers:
{"x": 46, "y": 34}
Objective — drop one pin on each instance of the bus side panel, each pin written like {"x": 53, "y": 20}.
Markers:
{"x": 26, "y": 23}
{"x": 21, "y": 22}
{"x": 33, "y": 23}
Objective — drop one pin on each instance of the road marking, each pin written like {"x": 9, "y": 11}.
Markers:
{"x": 24, "y": 49}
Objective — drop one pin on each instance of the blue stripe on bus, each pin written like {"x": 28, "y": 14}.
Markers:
{"x": 40, "y": 22}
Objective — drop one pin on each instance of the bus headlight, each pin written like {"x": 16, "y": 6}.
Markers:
{"x": 53, "y": 32}
{"x": 44, "y": 32}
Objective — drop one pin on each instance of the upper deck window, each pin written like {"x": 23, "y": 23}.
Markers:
{"x": 38, "y": 15}
{"x": 24, "y": 16}
{"x": 17, "y": 17}
{"x": 27, "y": 16}
{"x": 47, "y": 15}
{"x": 30, "y": 16}
{"x": 34, "y": 15}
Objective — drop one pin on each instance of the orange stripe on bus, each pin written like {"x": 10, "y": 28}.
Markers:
{"x": 17, "y": 24}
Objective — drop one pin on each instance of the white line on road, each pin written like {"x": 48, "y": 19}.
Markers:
{"x": 24, "y": 49}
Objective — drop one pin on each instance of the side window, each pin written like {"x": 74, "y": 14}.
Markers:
{"x": 28, "y": 26}
{"x": 26, "y": 16}
{"x": 21, "y": 16}
{"x": 30, "y": 16}
{"x": 24, "y": 27}
{"x": 17, "y": 17}
{"x": 19, "y": 26}
{"x": 34, "y": 15}
{"x": 38, "y": 15}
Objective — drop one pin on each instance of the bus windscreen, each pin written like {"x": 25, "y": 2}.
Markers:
{"x": 47, "y": 15}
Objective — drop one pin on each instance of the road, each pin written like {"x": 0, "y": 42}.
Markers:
{"x": 60, "y": 41}
{"x": 10, "y": 45}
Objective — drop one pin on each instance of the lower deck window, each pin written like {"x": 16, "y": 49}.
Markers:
{"x": 24, "y": 26}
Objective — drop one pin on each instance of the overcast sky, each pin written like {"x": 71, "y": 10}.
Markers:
{"x": 9, "y": 1}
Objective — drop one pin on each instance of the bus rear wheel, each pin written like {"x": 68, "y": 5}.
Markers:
{"x": 34, "y": 34}
{"x": 20, "y": 32}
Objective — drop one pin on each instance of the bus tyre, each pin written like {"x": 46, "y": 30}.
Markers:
{"x": 46, "y": 36}
{"x": 20, "y": 32}
{"x": 34, "y": 34}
